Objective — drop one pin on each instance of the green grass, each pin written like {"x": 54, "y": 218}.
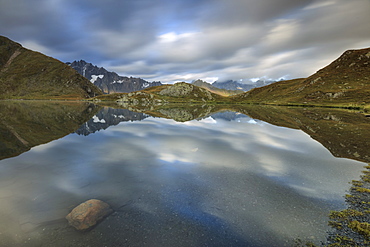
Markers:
{"x": 32, "y": 75}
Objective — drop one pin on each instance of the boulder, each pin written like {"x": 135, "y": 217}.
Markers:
{"x": 88, "y": 214}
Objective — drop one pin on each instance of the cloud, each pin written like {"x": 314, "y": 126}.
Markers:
{"x": 321, "y": 4}
{"x": 186, "y": 40}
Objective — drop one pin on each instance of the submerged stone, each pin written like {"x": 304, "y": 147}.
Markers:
{"x": 88, "y": 214}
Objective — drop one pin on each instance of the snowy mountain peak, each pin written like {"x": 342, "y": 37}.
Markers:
{"x": 110, "y": 82}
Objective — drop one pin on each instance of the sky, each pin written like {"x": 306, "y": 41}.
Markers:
{"x": 185, "y": 40}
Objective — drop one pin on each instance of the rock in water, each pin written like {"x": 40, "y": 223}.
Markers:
{"x": 87, "y": 214}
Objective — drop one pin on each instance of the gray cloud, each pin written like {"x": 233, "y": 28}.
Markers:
{"x": 185, "y": 40}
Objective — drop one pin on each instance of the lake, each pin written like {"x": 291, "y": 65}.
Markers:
{"x": 249, "y": 176}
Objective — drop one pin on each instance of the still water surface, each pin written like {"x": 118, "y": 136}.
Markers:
{"x": 224, "y": 180}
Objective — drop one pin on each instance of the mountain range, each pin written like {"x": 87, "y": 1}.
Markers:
{"x": 110, "y": 82}
{"x": 230, "y": 87}
{"x": 343, "y": 83}
{"x": 26, "y": 74}
{"x": 216, "y": 90}
{"x": 234, "y": 85}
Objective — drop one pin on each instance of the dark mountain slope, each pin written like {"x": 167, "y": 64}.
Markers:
{"x": 110, "y": 82}
{"x": 346, "y": 81}
{"x": 25, "y": 74}
{"x": 26, "y": 124}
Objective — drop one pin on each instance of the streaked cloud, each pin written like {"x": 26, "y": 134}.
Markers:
{"x": 186, "y": 40}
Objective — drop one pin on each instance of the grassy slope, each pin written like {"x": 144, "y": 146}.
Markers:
{"x": 25, "y": 74}
{"x": 344, "y": 82}
{"x": 279, "y": 92}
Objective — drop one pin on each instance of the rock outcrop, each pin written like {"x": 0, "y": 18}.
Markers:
{"x": 177, "y": 90}
{"x": 88, "y": 214}
{"x": 182, "y": 89}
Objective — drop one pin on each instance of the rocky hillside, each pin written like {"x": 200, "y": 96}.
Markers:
{"x": 110, "y": 82}
{"x": 344, "y": 82}
{"x": 179, "y": 92}
{"x": 25, "y": 74}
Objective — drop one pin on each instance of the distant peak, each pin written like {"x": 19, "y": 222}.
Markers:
{"x": 80, "y": 62}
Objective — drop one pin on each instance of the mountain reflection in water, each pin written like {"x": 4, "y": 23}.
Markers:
{"x": 25, "y": 124}
{"x": 220, "y": 180}
{"x": 107, "y": 117}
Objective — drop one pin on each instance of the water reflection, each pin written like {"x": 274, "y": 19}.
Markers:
{"x": 25, "y": 124}
{"x": 220, "y": 180}
{"x": 108, "y": 117}
{"x": 340, "y": 131}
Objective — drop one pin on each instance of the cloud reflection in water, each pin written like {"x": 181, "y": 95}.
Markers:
{"x": 247, "y": 176}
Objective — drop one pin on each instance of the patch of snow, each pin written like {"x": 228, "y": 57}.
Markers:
{"x": 254, "y": 79}
{"x": 119, "y": 81}
{"x": 95, "y": 77}
{"x": 97, "y": 120}
{"x": 146, "y": 85}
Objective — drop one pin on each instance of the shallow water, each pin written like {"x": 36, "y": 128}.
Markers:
{"x": 225, "y": 180}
